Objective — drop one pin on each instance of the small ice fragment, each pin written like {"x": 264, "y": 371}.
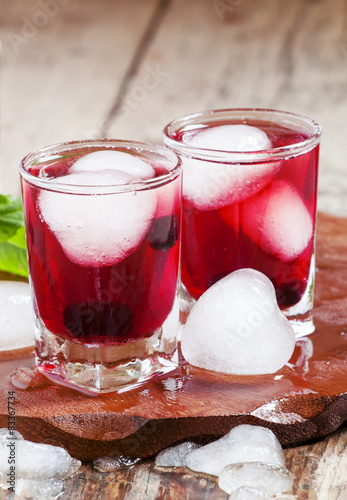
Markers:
{"x": 253, "y": 433}
{"x": 238, "y": 137}
{"x": 236, "y": 327}
{"x": 5, "y": 436}
{"x": 114, "y": 160}
{"x": 175, "y": 456}
{"x": 107, "y": 464}
{"x": 209, "y": 186}
{"x": 38, "y": 490}
{"x": 23, "y": 378}
{"x": 249, "y": 493}
{"x": 244, "y": 443}
{"x": 270, "y": 479}
{"x": 98, "y": 229}
{"x": 278, "y": 221}
{"x": 37, "y": 461}
{"x": 16, "y": 316}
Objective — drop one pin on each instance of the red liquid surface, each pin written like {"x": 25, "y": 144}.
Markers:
{"x": 214, "y": 242}
{"x": 108, "y": 304}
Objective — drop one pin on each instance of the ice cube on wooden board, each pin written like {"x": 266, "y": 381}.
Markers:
{"x": 16, "y": 316}
{"x": 236, "y": 327}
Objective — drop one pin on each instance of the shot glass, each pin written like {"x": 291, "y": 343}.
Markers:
{"x": 103, "y": 240}
{"x": 249, "y": 201}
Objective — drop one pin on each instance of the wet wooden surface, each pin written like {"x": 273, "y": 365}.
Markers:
{"x": 306, "y": 399}
{"x": 124, "y": 69}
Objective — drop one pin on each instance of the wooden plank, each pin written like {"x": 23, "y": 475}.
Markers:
{"x": 319, "y": 471}
{"x": 320, "y": 468}
{"x": 247, "y": 53}
{"x": 61, "y": 72}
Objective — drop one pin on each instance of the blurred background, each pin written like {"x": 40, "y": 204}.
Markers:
{"x": 82, "y": 69}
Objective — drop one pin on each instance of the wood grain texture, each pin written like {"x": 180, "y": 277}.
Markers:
{"x": 125, "y": 69}
{"x": 61, "y": 72}
{"x": 255, "y": 53}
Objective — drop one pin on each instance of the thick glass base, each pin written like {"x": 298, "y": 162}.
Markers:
{"x": 97, "y": 369}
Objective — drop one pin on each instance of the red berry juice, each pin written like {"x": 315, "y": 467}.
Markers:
{"x": 265, "y": 222}
{"x": 109, "y": 302}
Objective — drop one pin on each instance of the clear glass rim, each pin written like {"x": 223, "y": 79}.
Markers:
{"x": 198, "y": 120}
{"x": 70, "y": 146}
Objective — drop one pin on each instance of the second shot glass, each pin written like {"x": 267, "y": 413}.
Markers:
{"x": 249, "y": 201}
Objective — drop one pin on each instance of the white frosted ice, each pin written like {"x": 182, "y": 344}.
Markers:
{"x": 210, "y": 185}
{"x": 38, "y": 490}
{"x": 98, "y": 229}
{"x": 270, "y": 479}
{"x": 22, "y": 378}
{"x": 253, "y": 433}
{"x": 249, "y": 493}
{"x": 236, "y": 327}
{"x": 114, "y": 160}
{"x": 175, "y": 456}
{"x": 6, "y": 435}
{"x": 238, "y": 137}
{"x": 245, "y": 443}
{"x": 278, "y": 220}
{"x": 16, "y": 316}
{"x": 36, "y": 461}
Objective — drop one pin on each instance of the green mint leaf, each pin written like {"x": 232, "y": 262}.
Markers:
{"x": 11, "y": 217}
{"x": 13, "y": 257}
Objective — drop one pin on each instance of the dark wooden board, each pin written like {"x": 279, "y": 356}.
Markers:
{"x": 303, "y": 401}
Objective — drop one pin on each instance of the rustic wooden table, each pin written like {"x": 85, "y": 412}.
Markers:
{"x": 74, "y": 69}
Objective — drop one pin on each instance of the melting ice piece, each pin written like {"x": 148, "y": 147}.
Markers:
{"x": 238, "y": 137}
{"x": 5, "y": 436}
{"x": 98, "y": 229}
{"x": 38, "y": 490}
{"x": 114, "y": 160}
{"x": 278, "y": 221}
{"x": 16, "y": 316}
{"x": 244, "y": 443}
{"x": 270, "y": 479}
{"x": 37, "y": 461}
{"x": 107, "y": 464}
{"x": 249, "y": 493}
{"x": 253, "y": 433}
{"x": 237, "y": 327}
{"x": 175, "y": 456}
{"x": 22, "y": 378}
{"x": 209, "y": 185}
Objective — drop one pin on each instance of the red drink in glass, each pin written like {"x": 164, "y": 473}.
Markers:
{"x": 103, "y": 254}
{"x": 250, "y": 208}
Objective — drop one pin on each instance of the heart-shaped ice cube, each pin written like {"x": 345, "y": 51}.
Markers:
{"x": 236, "y": 327}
